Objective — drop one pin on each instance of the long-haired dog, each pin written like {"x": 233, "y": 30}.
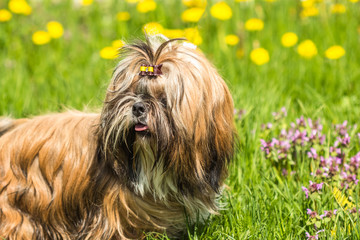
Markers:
{"x": 156, "y": 156}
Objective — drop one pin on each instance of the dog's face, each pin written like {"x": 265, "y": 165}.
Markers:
{"x": 171, "y": 133}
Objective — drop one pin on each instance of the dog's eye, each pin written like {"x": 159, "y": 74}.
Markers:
{"x": 163, "y": 102}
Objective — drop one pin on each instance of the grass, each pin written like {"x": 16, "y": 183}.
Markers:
{"x": 260, "y": 203}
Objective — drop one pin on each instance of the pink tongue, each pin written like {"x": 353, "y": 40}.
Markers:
{"x": 140, "y": 127}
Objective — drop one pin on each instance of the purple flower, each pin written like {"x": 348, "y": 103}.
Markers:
{"x": 306, "y": 191}
{"x": 318, "y": 172}
{"x": 312, "y": 153}
{"x": 345, "y": 141}
{"x": 324, "y": 161}
{"x": 239, "y": 113}
{"x": 316, "y": 236}
{"x": 281, "y": 114}
{"x": 348, "y": 179}
{"x": 315, "y": 135}
{"x": 300, "y": 137}
{"x": 284, "y": 147}
{"x": 354, "y": 210}
{"x": 283, "y": 133}
{"x": 301, "y": 122}
{"x": 341, "y": 128}
{"x": 266, "y": 146}
{"x": 314, "y": 187}
{"x": 309, "y": 237}
{"x": 354, "y": 163}
{"x": 311, "y": 213}
{"x": 330, "y": 171}
{"x": 328, "y": 214}
{"x": 315, "y": 126}
{"x": 330, "y": 166}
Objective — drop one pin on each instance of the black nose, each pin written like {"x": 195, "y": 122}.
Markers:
{"x": 138, "y": 109}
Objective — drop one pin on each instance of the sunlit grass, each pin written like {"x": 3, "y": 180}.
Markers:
{"x": 69, "y": 72}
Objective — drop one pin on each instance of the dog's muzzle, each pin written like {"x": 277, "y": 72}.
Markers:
{"x": 139, "y": 111}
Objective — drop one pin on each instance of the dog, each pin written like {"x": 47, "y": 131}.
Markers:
{"x": 153, "y": 159}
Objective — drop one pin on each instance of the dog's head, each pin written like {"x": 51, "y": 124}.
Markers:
{"x": 171, "y": 132}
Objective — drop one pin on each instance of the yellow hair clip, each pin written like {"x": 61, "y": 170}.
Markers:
{"x": 150, "y": 70}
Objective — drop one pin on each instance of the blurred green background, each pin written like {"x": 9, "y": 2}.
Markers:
{"x": 59, "y": 54}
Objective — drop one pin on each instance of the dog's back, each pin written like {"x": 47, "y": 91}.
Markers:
{"x": 40, "y": 159}
{"x": 6, "y": 124}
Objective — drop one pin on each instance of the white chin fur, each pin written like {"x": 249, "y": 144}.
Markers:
{"x": 152, "y": 180}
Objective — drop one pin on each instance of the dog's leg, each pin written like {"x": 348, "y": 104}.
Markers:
{"x": 17, "y": 221}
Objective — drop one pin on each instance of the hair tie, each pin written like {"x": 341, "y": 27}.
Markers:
{"x": 150, "y": 70}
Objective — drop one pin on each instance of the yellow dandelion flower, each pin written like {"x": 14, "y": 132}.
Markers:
{"x": 55, "y": 29}
{"x": 232, "y": 39}
{"x": 221, "y": 11}
{"x": 193, "y": 35}
{"x": 254, "y": 24}
{"x": 123, "y": 16}
{"x": 153, "y": 28}
{"x": 270, "y": 1}
{"x": 260, "y": 56}
{"x": 307, "y": 49}
{"x": 192, "y": 14}
{"x": 109, "y": 53}
{"x": 5, "y": 15}
{"x": 41, "y": 37}
{"x": 307, "y": 3}
{"x": 240, "y": 53}
{"x": 86, "y": 2}
{"x": 117, "y": 44}
{"x": 289, "y": 39}
{"x": 309, "y": 12}
{"x": 335, "y": 52}
{"x": 174, "y": 33}
{"x": 195, "y": 3}
{"x": 20, "y": 7}
{"x": 146, "y": 6}
{"x": 338, "y": 8}
{"x": 354, "y": 1}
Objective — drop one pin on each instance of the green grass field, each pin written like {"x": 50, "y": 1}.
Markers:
{"x": 261, "y": 202}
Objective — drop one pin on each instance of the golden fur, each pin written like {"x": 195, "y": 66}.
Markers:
{"x": 75, "y": 175}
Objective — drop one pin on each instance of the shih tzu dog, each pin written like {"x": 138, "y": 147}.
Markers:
{"x": 155, "y": 157}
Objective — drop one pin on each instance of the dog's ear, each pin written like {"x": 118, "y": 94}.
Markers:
{"x": 204, "y": 131}
{"x": 221, "y": 139}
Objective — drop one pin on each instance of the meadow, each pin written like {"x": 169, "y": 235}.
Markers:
{"x": 293, "y": 68}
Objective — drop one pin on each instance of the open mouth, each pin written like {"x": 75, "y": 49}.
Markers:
{"x": 141, "y": 127}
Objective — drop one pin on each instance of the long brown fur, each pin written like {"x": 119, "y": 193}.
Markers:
{"x": 76, "y": 175}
